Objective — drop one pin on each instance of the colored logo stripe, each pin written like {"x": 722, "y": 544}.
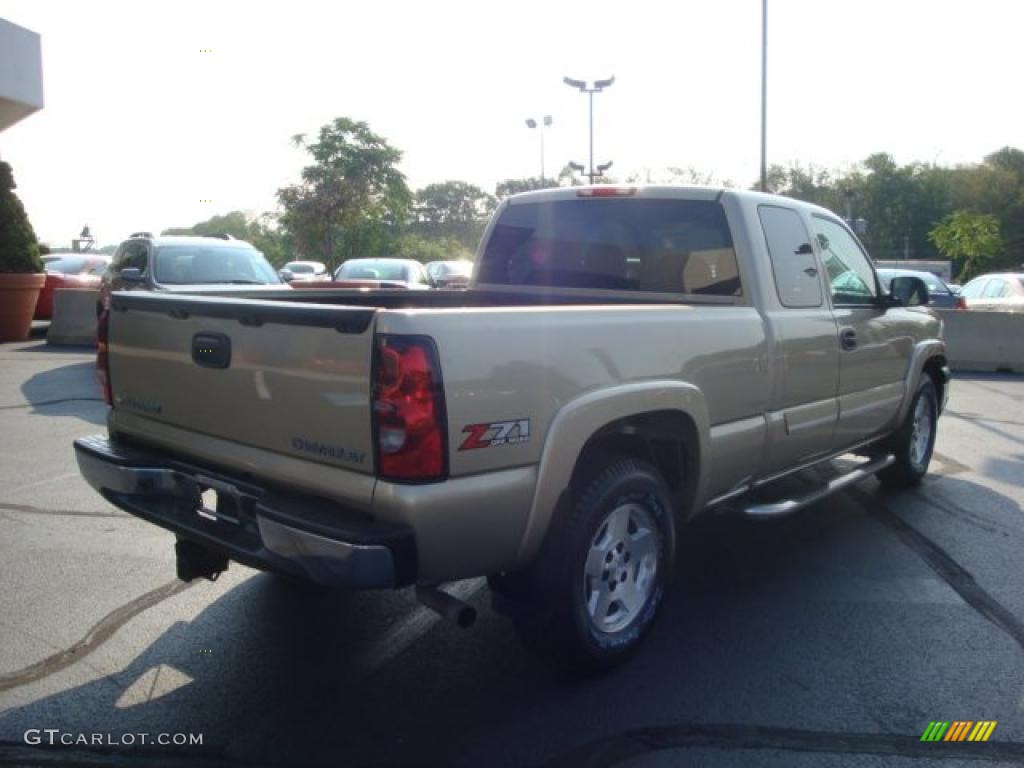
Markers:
{"x": 982, "y": 730}
{"x": 959, "y": 730}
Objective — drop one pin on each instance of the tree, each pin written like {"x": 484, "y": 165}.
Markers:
{"x": 972, "y": 238}
{"x": 454, "y": 210}
{"x": 674, "y": 174}
{"x": 352, "y": 200}
{"x": 811, "y": 184}
{"x": 235, "y": 223}
{"x": 425, "y": 249}
{"x": 452, "y": 202}
{"x": 515, "y": 186}
{"x": 19, "y": 249}
{"x": 1008, "y": 165}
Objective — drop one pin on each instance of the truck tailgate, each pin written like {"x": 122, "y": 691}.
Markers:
{"x": 287, "y": 377}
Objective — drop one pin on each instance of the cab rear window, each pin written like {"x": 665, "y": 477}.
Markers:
{"x": 653, "y": 245}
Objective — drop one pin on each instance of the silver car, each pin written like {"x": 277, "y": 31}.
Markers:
{"x": 391, "y": 273}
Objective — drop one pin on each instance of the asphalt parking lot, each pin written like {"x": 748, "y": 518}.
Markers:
{"x": 829, "y": 638}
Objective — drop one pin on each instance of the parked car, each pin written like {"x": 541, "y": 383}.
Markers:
{"x": 939, "y": 293}
{"x": 624, "y": 360}
{"x": 1002, "y": 292}
{"x": 69, "y": 270}
{"x": 393, "y": 273}
{"x": 450, "y": 274}
{"x": 314, "y": 271}
{"x": 180, "y": 264}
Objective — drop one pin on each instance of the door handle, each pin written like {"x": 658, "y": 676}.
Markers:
{"x": 811, "y": 272}
{"x": 848, "y": 338}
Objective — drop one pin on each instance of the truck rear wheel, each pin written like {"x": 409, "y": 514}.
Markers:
{"x": 914, "y": 441}
{"x": 600, "y": 579}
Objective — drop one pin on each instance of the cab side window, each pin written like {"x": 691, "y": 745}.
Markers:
{"x": 849, "y": 271}
{"x": 793, "y": 262}
{"x": 134, "y": 256}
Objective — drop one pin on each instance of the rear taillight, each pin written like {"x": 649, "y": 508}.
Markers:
{"x": 960, "y": 303}
{"x": 408, "y": 410}
{"x": 103, "y": 355}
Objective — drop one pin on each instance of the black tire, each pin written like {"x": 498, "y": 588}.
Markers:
{"x": 627, "y": 496}
{"x": 912, "y": 453}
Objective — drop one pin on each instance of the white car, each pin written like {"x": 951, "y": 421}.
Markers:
{"x": 304, "y": 270}
{"x": 1002, "y": 292}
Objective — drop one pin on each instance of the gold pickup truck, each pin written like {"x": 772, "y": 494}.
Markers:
{"x": 624, "y": 359}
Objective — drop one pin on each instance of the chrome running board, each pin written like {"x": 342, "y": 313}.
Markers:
{"x": 788, "y": 506}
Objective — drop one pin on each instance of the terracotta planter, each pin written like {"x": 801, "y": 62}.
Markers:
{"x": 18, "y": 295}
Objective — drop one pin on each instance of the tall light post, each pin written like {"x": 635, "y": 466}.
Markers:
{"x": 764, "y": 95}
{"x": 597, "y": 87}
{"x": 546, "y": 123}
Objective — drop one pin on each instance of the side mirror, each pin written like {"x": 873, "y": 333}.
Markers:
{"x": 909, "y": 291}
{"x": 131, "y": 275}
{"x": 286, "y": 275}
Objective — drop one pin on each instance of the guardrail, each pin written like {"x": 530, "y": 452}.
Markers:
{"x": 74, "y": 316}
{"x": 983, "y": 341}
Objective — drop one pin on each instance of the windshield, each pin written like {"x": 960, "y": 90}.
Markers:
{"x": 197, "y": 264}
{"x": 75, "y": 265}
{"x": 455, "y": 269}
{"x": 299, "y": 268}
{"x": 361, "y": 269}
{"x": 665, "y": 246}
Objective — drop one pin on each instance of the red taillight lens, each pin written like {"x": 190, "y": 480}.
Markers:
{"x": 408, "y": 409}
{"x": 103, "y": 355}
{"x": 960, "y": 303}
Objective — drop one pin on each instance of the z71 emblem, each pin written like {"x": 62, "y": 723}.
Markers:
{"x": 495, "y": 433}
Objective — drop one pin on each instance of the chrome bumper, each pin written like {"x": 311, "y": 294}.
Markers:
{"x": 264, "y": 528}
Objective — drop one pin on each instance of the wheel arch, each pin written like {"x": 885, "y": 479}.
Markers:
{"x": 663, "y": 422}
{"x": 928, "y": 358}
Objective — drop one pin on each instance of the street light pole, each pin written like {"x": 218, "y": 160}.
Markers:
{"x": 598, "y": 86}
{"x": 764, "y": 95}
{"x": 545, "y": 123}
{"x": 591, "y": 165}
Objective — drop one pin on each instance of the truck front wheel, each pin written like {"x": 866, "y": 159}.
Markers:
{"x": 914, "y": 440}
{"x": 600, "y": 579}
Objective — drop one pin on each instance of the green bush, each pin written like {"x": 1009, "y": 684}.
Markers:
{"x": 19, "y": 249}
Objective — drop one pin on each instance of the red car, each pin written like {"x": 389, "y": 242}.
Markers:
{"x": 69, "y": 270}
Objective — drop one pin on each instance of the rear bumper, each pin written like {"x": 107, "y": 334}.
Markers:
{"x": 258, "y": 526}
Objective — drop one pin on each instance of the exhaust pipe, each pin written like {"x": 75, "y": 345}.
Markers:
{"x": 446, "y": 606}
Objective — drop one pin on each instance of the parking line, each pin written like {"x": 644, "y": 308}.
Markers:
{"x": 47, "y": 481}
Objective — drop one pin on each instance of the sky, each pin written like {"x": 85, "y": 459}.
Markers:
{"x": 161, "y": 114}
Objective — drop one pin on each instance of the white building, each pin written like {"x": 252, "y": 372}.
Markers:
{"x": 21, "y": 73}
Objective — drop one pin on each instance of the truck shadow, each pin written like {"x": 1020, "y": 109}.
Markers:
{"x": 70, "y": 390}
{"x": 270, "y": 674}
